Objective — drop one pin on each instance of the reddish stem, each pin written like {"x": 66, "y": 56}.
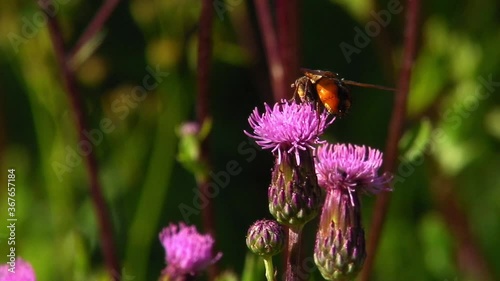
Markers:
{"x": 274, "y": 60}
{"x": 94, "y": 26}
{"x": 395, "y": 131}
{"x": 98, "y": 201}
{"x": 293, "y": 257}
{"x": 203, "y": 112}
{"x": 288, "y": 38}
{"x": 470, "y": 259}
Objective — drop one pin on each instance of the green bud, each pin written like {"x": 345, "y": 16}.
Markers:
{"x": 266, "y": 238}
{"x": 191, "y": 137}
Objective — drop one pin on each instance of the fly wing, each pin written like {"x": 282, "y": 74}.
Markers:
{"x": 364, "y": 85}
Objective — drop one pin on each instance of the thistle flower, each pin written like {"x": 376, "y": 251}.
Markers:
{"x": 21, "y": 272}
{"x": 187, "y": 251}
{"x": 351, "y": 167}
{"x": 291, "y": 130}
{"x": 344, "y": 171}
{"x": 288, "y": 127}
{"x": 266, "y": 238}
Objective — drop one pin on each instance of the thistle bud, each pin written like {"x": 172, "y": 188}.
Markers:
{"x": 339, "y": 252}
{"x": 294, "y": 195}
{"x": 266, "y": 238}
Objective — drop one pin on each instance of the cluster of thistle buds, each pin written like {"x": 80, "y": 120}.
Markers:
{"x": 310, "y": 177}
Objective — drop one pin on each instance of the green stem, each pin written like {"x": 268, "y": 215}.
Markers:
{"x": 268, "y": 263}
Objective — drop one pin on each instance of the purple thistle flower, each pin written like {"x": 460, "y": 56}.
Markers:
{"x": 187, "y": 251}
{"x": 22, "y": 272}
{"x": 288, "y": 127}
{"x": 351, "y": 167}
{"x": 291, "y": 131}
{"x": 344, "y": 171}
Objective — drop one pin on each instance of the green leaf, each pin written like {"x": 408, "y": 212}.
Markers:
{"x": 415, "y": 141}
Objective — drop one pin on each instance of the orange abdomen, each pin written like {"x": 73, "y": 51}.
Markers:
{"x": 329, "y": 95}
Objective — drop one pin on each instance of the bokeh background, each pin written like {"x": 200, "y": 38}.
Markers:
{"x": 443, "y": 221}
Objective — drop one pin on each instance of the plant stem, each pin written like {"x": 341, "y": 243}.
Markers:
{"x": 268, "y": 263}
{"x": 395, "y": 131}
{"x": 274, "y": 60}
{"x": 203, "y": 113}
{"x": 287, "y": 30}
{"x": 470, "y": 258}
{"x": 96, "y": 195}
{"x": 94, "y": 26}
{"x": 293, "y": 258}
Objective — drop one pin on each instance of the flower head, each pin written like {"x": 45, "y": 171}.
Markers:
{"x": 21, "y": 272}
{"x": 266, "y": 238}
{"x": 187, "y": 251}
{"x": 344, "y": 171}
{"x": 339, "y": 250}
{"x": 288, "y": 127}
{"x": 350, "y": 167}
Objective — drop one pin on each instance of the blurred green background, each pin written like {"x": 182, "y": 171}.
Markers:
{"x": 443, "y": 222}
